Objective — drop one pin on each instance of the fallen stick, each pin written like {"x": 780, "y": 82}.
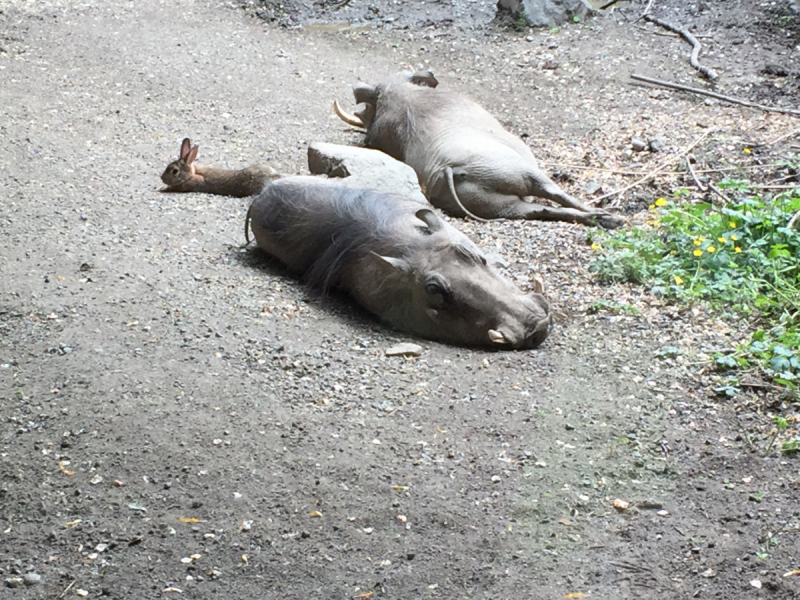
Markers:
{"x": 700, "y": 186}
{"x": 706, "y": 71}
{"x": 793, "y": 221}
{"x": 686, "y": 88}
{"x": 719, "y": 193}
{"x": 659, "y": 168}
{"x": 778, "y": 139}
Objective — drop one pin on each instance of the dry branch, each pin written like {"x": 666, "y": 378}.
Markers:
{"x": 700, "y": 186}
{"x": 778, "y": 139}
{"x": 686, "y": 88}
{"x": 706, "y": 71}
{"x": 719, "y": 193}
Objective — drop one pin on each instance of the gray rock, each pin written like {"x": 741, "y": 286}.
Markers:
{"x": 657, "y": 144}
{"x": 364, "y": 167}
{"x": 32, "y": 579}
{"x": 404, "y": 349}
{"x": 547, "y": 13}
{"x": 13, "y": 582}
{"x": 592, "y": 188}
{"x": 638, "y": 145}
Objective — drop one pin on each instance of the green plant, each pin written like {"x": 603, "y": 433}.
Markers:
{"x": 740, "y": 259}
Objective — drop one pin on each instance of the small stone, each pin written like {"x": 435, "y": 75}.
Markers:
{"x": 592, "y": 188}
{"x": 13, "y": 582}
{"x": 404, "y": 349}
{"x": 657, "y": 144}
{"x": 638, "y": 145}
{"x": 569, "y": 426}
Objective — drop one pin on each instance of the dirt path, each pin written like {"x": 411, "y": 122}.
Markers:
{"x": 177, "y": 414}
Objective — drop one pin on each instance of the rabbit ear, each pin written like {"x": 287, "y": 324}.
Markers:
{"x": 186, "y": 145}
{"x": 192, "y": 155}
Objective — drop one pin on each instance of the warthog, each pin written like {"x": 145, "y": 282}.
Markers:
{"x": 398, "y": 259}
{"x": 466, "y": 163}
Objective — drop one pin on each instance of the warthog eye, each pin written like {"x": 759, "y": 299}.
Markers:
{"x": 438, "y": 289}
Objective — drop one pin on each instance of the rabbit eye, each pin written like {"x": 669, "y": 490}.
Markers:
{"x": 174, "y": 170}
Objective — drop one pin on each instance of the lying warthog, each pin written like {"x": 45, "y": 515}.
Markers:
{"x": 398, "y": 259}
{"x": 466, "y": 163}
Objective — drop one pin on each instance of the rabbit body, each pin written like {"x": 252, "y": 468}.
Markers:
{"x": 183, "y": 175}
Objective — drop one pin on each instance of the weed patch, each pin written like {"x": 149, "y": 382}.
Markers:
{"x": 741, "y": 259}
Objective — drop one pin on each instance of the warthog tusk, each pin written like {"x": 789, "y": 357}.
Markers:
{"x": 496, "y": 337}
{"x": 348, "y": 118}
{"x": 538, "y": 285}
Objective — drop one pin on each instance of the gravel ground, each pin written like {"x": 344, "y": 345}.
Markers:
{"x": 179, "y": 418}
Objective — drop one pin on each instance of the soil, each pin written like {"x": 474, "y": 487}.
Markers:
{"x": 181, "y": 419}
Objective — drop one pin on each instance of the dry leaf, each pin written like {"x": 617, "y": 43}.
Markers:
{"x": 316, "y": 513}
{"x": 72, "y": 523}
{"x": 400, "y": 488}
{"x": 575, "y": 595}
{"x": 565, "y": 522}
{"x": 188, "y": 519}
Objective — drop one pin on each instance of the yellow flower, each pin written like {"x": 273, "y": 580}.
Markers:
{"x": 698, "y": 252}
{"x": 721, "y": 240}
{"x": 737, "y": 249}
{"x": 698, "y": 242}
{"x": 656, "y": 223}
{"x": 733, "y": 237}
{"x": 673, "y": 251}
{"x": 595, "y": 246}
{"x": 652, "y": 206}
{"x": 678, "y": 280}
{"x": 747, "y": 150}
{"x": 661, "y": 202}
{"x": 711, "y": 249}
{"x": 732, "y": 225}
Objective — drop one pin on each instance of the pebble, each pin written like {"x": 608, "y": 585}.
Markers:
{"x": 638, "y": 145}
{"x": 32, "y": 579}
{"x": 657, "y": 145}
{"x": 404, "y": 349}
{"x": 13, "y": 582}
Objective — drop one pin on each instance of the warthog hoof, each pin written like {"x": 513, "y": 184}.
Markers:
{"x": 606, "y": 220}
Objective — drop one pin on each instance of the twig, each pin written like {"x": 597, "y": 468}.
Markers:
{"x": 705, "y": 71}
{"x": 793, "y": 221}
{"x": 719, "y": 193}
{"x": 659, "y": 168}
{"x": 646, "y": 10}
{"x": 661, "y": 33}
{"x": 608, "y": 5}
{"x": 779, "y": 139}
{"x": 69, "y": 587}
{"x": 774, "y": 187}
{"x": 686, "y": 88}
{"x": 700, "y": 186}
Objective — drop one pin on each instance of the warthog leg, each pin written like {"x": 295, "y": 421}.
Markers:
{"x": 542, "y": 186}
{"x": 487, "y": 205}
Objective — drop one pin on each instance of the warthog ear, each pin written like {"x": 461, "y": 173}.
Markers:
{"x": 430, "y": 218}
{"x": 365, "y": 93}
{"x": 396, "y": 264}
{"x": 425, "y": 78}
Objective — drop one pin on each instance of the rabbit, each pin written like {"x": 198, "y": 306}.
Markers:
{"x": 183, "y": 175}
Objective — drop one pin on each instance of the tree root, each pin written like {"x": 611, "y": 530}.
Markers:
{"x": 705, "y": 71}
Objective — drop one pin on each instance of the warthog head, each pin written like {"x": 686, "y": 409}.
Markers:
{"x": 443, "y": 288}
